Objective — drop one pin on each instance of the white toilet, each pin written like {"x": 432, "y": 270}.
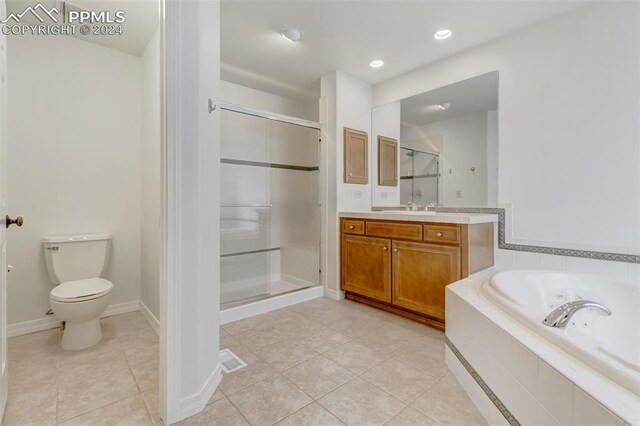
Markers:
{"x": 75, "y": 263}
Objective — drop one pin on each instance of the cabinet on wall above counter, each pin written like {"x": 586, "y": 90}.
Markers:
{"x": 402, "y": 261}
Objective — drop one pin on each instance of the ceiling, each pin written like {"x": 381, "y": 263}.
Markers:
{"x": 142, "y": 18}
{"x": 465, "y": 97}
{"x": 346, "y": 35}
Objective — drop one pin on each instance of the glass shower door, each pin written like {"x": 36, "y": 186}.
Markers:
{"x": 245, "y": 211}
{"x": 419, "y": 177}
{"x": 425, "y": 178}
{"x": 269, "y": 208}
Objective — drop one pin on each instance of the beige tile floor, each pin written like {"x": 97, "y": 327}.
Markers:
{"x": 325, "y": 362}
{"x": 112, "y": 383}
{"x": 317, "y": 363}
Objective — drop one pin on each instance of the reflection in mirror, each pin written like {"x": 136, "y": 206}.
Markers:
{"x": 419, "y": 176}
{"x": 448, "y": 145}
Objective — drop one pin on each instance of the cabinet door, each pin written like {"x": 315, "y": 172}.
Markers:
{"x": 366, "y": 266}
{"x": 387, "y": 161}
{"x": 420, "y": 274}
{"x": 356, "y": 156}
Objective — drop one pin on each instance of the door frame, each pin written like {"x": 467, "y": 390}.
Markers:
{"x": 190, "y": 370}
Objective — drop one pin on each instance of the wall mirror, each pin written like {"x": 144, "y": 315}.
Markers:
{"x": 448, "y": 145}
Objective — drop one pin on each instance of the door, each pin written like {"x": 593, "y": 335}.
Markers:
{"x": 387, "y": 161}
{"x": 3, "y": 213}
{"x": 356, "y": 156}
{"x": 421, "y": 273}
{"x": 366, "y": 266}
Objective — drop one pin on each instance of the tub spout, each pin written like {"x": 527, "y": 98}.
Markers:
{"x": 560, "y": 316}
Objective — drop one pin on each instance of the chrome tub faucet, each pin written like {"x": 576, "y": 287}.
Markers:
{"x": 560, "y": 316}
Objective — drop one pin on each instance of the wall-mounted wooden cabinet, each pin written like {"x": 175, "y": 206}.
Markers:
{"x": 404, "y": 267}
{"x": 387, "y": 161}
{"x": 356, "y": 156}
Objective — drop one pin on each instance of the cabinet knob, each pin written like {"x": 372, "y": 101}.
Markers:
{"x": 395, "y": 250}
{"x": 385, "y": 248}
{"x": 351, "y": 226}
{"x": 350, "y": 174}
{"x": 439, "y": 234}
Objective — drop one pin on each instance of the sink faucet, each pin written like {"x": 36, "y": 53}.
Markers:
{"x": 561, "y": 315}
{"x": 411, "y": 206}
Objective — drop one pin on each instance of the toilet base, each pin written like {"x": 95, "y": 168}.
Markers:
{"x": 82, "y": 335}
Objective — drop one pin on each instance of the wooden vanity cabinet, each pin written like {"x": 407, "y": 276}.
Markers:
{"x": 420, "y": 274}
{"x": 404, "y": 267}
{"x": 367, "y": 266}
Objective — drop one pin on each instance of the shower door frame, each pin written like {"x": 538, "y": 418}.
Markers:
{"x": 438, "y": 177}
{"x": 244, "y": 310}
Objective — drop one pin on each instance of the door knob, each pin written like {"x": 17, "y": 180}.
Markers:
{"x": 17, "y": 221}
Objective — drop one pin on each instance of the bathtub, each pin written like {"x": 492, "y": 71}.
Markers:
{"x": 608, "y": 344}
{"x": 585, "y": 373}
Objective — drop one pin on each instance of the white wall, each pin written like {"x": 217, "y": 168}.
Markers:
{"x": 385, "y": 121}
{"x": 353, "y": 106}
{"x": 568, "y": 123}
{"x": 492, "y": 158}
{"x": 257, "y": 99}
{"x": 345, "y": 102}
{"x": 464, "y": 146}
{"x": 189, "y": 303}
{"x": 74, "y": 144}
{"x": 150, "y": 174}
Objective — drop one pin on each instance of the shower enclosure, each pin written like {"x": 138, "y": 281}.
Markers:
{"x": 269, "y": 212}
{"x": 419, "y": 177}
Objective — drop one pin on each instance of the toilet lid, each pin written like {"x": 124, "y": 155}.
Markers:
{"x": 76, "y": 291}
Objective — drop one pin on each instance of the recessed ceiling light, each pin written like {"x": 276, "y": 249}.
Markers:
{"x": 376, "y": 63}
{"x": 442, "y": 34}
{"x": 292, "y": 34}
{"x": 444, "y": 107}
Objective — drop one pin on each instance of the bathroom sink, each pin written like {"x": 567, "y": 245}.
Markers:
{"x": 420, "y": 212}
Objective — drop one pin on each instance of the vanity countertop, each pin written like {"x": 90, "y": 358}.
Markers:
{"x": 423, "y": 216}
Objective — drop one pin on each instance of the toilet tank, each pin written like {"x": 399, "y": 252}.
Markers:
{"x": 76, "y": 257}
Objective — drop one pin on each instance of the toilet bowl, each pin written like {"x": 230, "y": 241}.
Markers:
{"x": 76, "y": 264}
{"x": 79, "y": 304}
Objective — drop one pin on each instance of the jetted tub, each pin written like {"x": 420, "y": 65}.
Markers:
{"x": 608, "y": 344}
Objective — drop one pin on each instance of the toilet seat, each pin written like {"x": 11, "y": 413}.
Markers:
{"x": 81, "y": 290}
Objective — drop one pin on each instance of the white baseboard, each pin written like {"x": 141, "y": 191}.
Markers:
{"x": 148, "y": 315}
{"x": 52, "y": 321}
{"x": 333, "y": 294}
{"x": 120, "y": 308}
{"x": 195, "y": 403}
{"x": 268, "y": 305}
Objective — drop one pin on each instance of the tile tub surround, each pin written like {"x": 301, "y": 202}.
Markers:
{"x": 113, "y": 382}
{"x": 521, "y": 367}
{"x": 345, "y": 363}
{"x": 504, "y": 245}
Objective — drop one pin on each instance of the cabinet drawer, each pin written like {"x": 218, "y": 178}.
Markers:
{"x": 406, "y": 231}
{"x": 353, "y": 226}
{"x": 442, "y": 234}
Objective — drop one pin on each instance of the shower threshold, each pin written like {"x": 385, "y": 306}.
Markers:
{"x": 277, "y": 288}
{"x": 237, "y": 310}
